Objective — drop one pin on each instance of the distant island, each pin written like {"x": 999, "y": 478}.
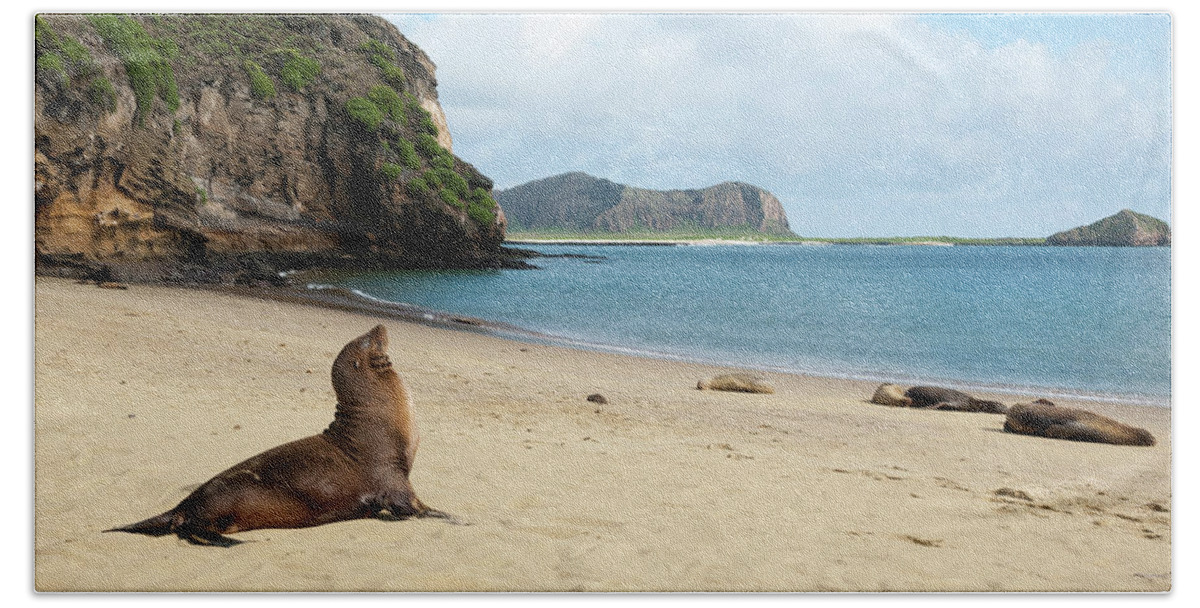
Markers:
{"x": 579, "y": 208}
{"x": 1124, "y": 229}
{"x": 574, "y": 205}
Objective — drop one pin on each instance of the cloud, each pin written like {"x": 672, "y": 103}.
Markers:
{"x": 861, "y": 123}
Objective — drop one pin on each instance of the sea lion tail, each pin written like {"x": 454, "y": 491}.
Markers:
{"x": 159, "y": 525}
{"x": 168, "y": 523}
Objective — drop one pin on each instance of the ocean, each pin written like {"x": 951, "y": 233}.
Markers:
{"x": 1085, "y": 322}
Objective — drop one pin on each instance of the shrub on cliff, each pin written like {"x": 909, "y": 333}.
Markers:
{"x": 297, "y": 71}
{"x": 432, "y": 179}
{"x": 383, "y": 57}
{"x": 450, "y": 198}
{"x": 391, "y": 171}
{"x": 481, "y": 214}
{"x": 408, "y": 154}
{"x": 387, "y": 100}
{"x": 391, "y": 73}
{"x": 102, "y": 93}
{"x": 482, "y": 207}
{"x": 452, "y": 180}
{"x": 51, "y": 68}
{"x": 260, "y": 84}
{"x": 418, "y": 187}
{"x": 366, "y": 113}
{"x": 427, "y": 125}
{"x": 428, "y": 146}
{"x": 443, "y": 159}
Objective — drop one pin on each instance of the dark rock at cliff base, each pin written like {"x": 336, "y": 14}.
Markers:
{"x": 213, "y": 147}
{"x": 1124, "y": 229}
{"x": 578, "y": 202}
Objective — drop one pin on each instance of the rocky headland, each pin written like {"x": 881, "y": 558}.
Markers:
{"x": 1124, "y": 229}
{"x": 580, "y": 203}
{"x": 206, "y": 148}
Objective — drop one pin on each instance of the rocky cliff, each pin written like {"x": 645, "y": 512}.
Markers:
{"x": 1124, "y": 229}
{"x": 578, "y": 202}
{"x": 177, "y": 141}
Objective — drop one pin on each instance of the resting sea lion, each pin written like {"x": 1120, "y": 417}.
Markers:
{"x": 358, "y": 467}
{"x": 890, "y": 394}
{"x": 738, "y": 383}
{"x": 938, "y": 398}
{"x": 1074, "y": 424}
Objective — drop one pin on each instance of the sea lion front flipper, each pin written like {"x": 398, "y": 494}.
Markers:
{"x": 940, "y": 405}
{"x": 403, "y": 505}
{"x": 450, "y": 519}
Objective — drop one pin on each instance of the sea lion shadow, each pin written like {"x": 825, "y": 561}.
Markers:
{"x": 446, "y": 517}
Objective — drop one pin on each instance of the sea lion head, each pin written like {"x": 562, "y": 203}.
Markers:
{"x": 362, "y": 372}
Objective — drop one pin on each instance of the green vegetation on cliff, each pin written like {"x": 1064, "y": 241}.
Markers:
{"x": 147, "y": 60}
{"x": 428, "y": 171}
{"x": 391, "y": 171}
{"x": 383, "y": 57}
{"x": 482, "y": 207}
{"x": 60, "y": 58}
{"x": 260, "y": 84}
{"x": 365, "y": 112}
{"x": 298, "y": 71}
{"x": 387, "y": 100}
{"x": 408, "y": 154}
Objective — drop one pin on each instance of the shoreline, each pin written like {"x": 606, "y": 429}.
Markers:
{"x": 860, "y": 241}
{"x": 353, "y": 300}
{"x": 711, "y": 241}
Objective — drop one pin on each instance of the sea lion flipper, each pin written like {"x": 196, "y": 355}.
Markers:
{"x": 208, "y": 539}
{"x": 159, "y": 525}
{"x": 450, "y": 519}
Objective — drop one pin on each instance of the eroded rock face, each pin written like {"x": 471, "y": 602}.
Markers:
{"x": 218, "y": 168}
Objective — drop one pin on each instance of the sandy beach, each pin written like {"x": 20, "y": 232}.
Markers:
{"x": 142, "y": 394}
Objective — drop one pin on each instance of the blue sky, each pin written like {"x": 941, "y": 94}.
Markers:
{"x": 861, "y": 123}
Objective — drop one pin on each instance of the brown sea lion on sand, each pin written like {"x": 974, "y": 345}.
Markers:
{"x": 937, "y": 398}
{"x": 358, "y": 467}
{"x": 891, "y": 394}
{"x": 1073, "y": 424}
{"x": 738, "y": 383}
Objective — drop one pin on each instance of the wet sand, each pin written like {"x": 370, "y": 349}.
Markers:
{"x": 144, "y": 393}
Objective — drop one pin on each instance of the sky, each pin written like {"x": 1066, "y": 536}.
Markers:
{"x": 862, "y": 124}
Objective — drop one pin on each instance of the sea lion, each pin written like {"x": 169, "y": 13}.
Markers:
{"x": 937, "y": 398}
{"x": 358, "y": 467}
{"x": 738, "y": 383}
{"x": 890, "y": 394}
{"x": 1073, "y": 424}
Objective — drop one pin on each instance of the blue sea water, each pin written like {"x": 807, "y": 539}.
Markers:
{"x": 1084, "y": 321}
